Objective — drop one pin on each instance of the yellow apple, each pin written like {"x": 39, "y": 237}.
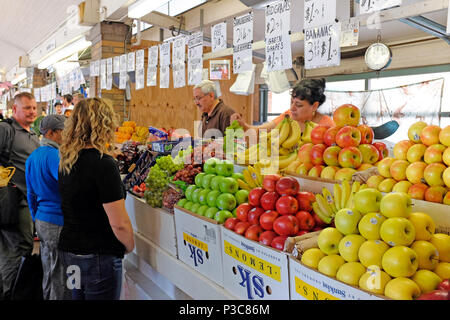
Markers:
{"x": 442, "y": 243}
{"x": 427, "y": 254}
{"x": 443, "y": 270}
{"x": 401, "y": 148}
{"x": 367, "y": 200}
{"x": 398, "y": 169}
{"x": 400, "y": 261}
{"x": 430, "y": 135}
{"x": 369, "y": 225}
{"x": 329, "y": 172}
{"x": 371, "y": 252}
{"x": 349, "y": 247}
{"x": 414, "y": 172}
{"x": 304, "y": 168}
{"x": 414, "y": 131}
{"x": 374, "y": 280}
{"x": 311, "y": 257}
{"x": 346, "y": 221}
{"x": 444, "y": 136}
{"x": 446, "y": 156}
{"x": 345, "y": 174}
{"x": 328, "y": 240}
{"x": 396, "y": 204}
{"x": 374, "y": 181}
{"x": 386, "y": 185}
{"x": 364, "y": 166}
{"x": 402, "y": 186}
{"x": 434, "y": 153}
{"x": 446, "y": 177}
{"x": 416, "y": 153}
{"x": 446, "y": 199}
{"x": 426, "y": 280}
{"x": 402, "y": 289}
{"x": 384, "y": 165}
{"x": 329, "y": 265}
{"x": 423, "y": 224}
{"x": 350, "y": 273}
{"x": 433, "y": 174}
{"x": 397, "y": 231}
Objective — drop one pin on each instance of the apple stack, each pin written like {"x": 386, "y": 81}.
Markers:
{"x": 275, "y": 212}
{"x": 383, "y": 248}
{"x": 215, "y": 193}
{"x": 338, "y": 152}
{"x": 420, "y": 166}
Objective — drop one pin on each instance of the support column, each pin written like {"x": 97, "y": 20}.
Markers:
{"x": 40, "y": 80}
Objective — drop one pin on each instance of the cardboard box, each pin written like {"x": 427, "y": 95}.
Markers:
{"x": 313, "y": 184}
{"x": 439, "y": 212}
{"x": 199, "y": 243}
{"x": 252, "y": 271}
{"x": 309, "y": 284}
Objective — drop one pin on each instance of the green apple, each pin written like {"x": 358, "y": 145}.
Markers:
{"x": 201, "y": 211}
{"x": 210, "y": 165}
{"x": 426, "y": 280}
{"x": 396, "y": 204}
{"x": 196, "y": 195}
{"x": 212, "y": 197}
{"x": 215, "y": 183}
{"x": 181, "y": 202}
{"x": 228, "y": 185}
{"x": 211, "y": 212}
{"x": 374, "y": 280}
{"x": 397, "y": 232}
{"x": 222, "y": 215}
{"x": 402, "y": 289}
{"x": 350, "y": 273}
{"x": 311, "y": 257}
{"x": 203, "y": 196}
{"x": 423, "y": 224}
{"x": 195, "y": 207}
{"x": 189, "y": 190}
{"x": 400, "y": 261}
{"x": 238, "y": 175}
{"x": 328, "y": 240}
{"x": 349, "y": 247}
{"x": 369, "y": 225}
{"x": 225, "y": 168}
{"x": 188, "y": 205}
{"x": 226, "y": 201}
{"x": 371, "y": 252}
{"x": 234, "y": 212}
{"x": 427, "y": 254}
{"x": 241, "y": 196}
{"x": 329, "y": 265}
{"x": 206, "y": 181}
{"x": 346, "y": 221}
{"x": 198, "y": 179}
{"x": 367, "y": 200}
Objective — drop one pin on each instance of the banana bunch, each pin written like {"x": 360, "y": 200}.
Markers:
{"x": 253, "y": 178}
{"x": 309, "y": 126}
{"x": 328, "y": 204}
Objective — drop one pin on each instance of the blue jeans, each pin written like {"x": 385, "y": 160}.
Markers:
{"x": 93, "y": 276}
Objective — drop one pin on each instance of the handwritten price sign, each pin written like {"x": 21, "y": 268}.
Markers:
{"x": 242, "y": 43}
{"x": 219, "y": 36}
{"x": 322, "y": 46}
{"x": 195, "y": 58}
{"x": 319, "y": 12}
{"x": 366, "y": 6}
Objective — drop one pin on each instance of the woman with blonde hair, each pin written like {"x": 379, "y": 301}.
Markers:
{"x": 97, "y": 231}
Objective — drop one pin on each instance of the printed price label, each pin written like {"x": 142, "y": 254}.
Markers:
{"x": 319, "y": 12}
{"x": 322, "y": 46}
{"x": 350, "y": 33}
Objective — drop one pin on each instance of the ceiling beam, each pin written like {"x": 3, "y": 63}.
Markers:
{"x": 162, "y": 20}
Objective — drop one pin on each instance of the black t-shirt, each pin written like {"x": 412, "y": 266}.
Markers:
{"x": 93, "y": 181}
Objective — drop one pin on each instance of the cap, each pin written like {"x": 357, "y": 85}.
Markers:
{"x": 52, "y": 121}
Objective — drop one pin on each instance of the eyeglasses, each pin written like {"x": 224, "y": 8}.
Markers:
{"x": 199, "y": 98}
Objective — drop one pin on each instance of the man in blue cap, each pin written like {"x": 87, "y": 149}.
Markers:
{"x": 41, "y": 171}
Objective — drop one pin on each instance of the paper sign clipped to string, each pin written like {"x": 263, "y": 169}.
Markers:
{"x": 318, "y": 12}
{"x": 322, "y": 46}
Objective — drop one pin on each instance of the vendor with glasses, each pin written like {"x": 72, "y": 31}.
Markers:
{"x": 306, "y": 97}
{"x": 215, "y": 114}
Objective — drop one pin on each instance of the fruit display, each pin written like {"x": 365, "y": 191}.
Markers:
{"x": 252, "y": 177}
{"x": 275, "y": 211}
{"x": 130, "y": 153}
{"x": 130, "y": 131}
{"x": 382, "y": 246}
{"x": 420, "y": 166}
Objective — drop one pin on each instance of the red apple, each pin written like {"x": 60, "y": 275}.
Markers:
{"x": 369, "y": 153}
{"x": 435, "y": 194}
{"x": 317, "y": 134}
{"x": 242, "y": 211}
{"x": 444, "y": 285}
{"x": 287, "y": 205}
{"x": 270, "y": 181}
{"x": 316, "y": 171}
{"x": 305, "y": 200}
{"x": 278, "y": 242}
{"x": 303, "y": 153}
{"x": 329, "y": 138}
{"x": 230, "y": 223}
{"x": 301, "y": 232}
{"x": 366, "y": 134}
{"x": 382, "y": 150}
{"x": 255, "y": 195}
{"x": 430, "y": 135}
{"x": 267, "y": 237}
{"x": 254, "y": 214}
{"x": 331, "y": 154}
{"x": 286, "y": 225}
{"x": 350, "y": 157}
{"x": 253, "y": 232}
{"x": 241, "y": 227}
{"x": 417, "y": 191}
{"x": 287, "y": 186}
{"x": 316, "y": 155}
{"x": 401, "y": 149}
{"x": 348, "y": 136}
{"x": 267, "y": 218}
{"x": 435, "y": 295}
{"x": 268, "y": 200}
{"x": 346, "y": 115}
{"x": 305, "y": 220}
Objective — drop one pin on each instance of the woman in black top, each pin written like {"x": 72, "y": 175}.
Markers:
{"x": 97, "y": 231}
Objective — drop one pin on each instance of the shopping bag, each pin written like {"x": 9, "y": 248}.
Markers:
{"x": 28, "y": 283}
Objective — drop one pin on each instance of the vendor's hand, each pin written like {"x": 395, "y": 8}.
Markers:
{"x": 238, "y": 118}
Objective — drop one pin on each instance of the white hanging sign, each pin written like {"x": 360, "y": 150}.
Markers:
{"x": 318, "y": 12}
{"x": 140, "y": 57}
{"x": 367, "y": 6}
{"x": 219, "y": 36}
{"x": 151, "y": 75}
{"x": 37, "y": 94}
{"x": 178, "y": 62}
{"x": 195, "y": 58}
{"x": 140, "y": 79}
{"x": 153, "y": 56}
{"x": 242, "y": 43}
{"x": 116, "y": 64}
{"x": 131, "y": 60}
{"x": 123, "y": 72}
{"x": 54, "y": 90}
{"x": 164, "y": 77}
{"x": 322, "y": 46}
{"x": 164, "y": 54}
{"x": 109, "y": 72}
{"x": 152, "y": 66}
{"x": 277, "y": 38}
{"x": 94, "y": 68}
{"x": 350, "y": 33}
{"x": 102, "y": 74}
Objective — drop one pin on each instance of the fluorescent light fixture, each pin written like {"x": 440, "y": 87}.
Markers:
{"x": 142, "y": 7}
{"x": 19, "y": 78}
{"x": 65, "y": 52}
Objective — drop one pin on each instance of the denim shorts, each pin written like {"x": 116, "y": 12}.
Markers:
{"x": 93, "y": 276}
